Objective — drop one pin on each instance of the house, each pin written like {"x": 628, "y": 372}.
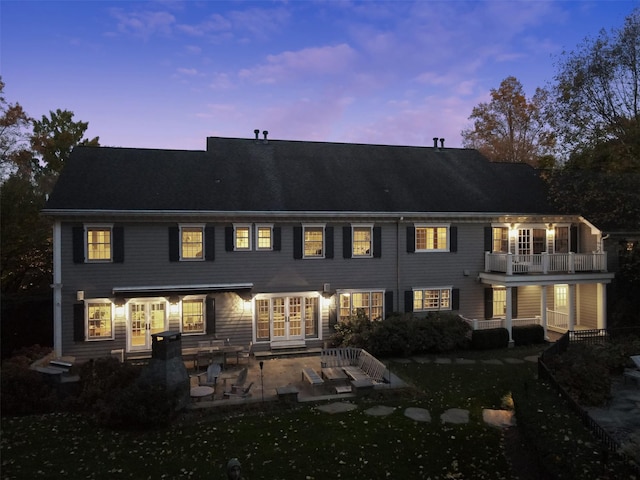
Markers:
{"x": 272, "y": 242}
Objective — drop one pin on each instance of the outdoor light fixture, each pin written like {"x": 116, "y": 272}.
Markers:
{"x": 80, "y": 295}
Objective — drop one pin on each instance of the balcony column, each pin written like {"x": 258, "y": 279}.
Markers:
{"x": 572, "y": 306}
{"x": 543, "y": 309}
{"x": 509, "y": 315}
{"x": 602, "y": 306}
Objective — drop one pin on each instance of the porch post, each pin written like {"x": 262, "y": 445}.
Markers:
{"x": 543, "y": 309}
{"x": 572, "y": 306}
{"x": 602, "y": 305}
{"x": 509, "y": 318}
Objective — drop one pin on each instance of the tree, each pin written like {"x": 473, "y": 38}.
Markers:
{"x": 510, "y": 128}
{"x": 14, "y": 124}
{"x": 596, "y": 100}
{"x": 52, "y": 140}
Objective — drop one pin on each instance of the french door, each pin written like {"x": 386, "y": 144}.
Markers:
{"x": 145, "y": 319}
{"x": 286, "y": 318}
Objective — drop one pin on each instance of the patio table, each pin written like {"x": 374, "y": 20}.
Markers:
{"x": 202, "y": 391}
{"x": 334, "y": 374}
{"x": 192, "y": 352}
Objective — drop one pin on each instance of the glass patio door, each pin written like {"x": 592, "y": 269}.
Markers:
{"x": 145, "y": 319}
{"x": 287, "y": 321}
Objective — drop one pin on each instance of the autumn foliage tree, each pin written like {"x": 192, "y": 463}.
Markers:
{"x": 511, "y": 128}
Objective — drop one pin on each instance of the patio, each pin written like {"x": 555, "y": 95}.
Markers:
{"x": 277, "y": 372}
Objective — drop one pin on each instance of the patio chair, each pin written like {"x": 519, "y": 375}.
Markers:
{"x": 210, "y": 377}
{"x": 239, "y": 383}
{"x": 245, "y": 353}
{"x": 239, "y": 392}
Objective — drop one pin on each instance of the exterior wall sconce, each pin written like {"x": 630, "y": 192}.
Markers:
{"x": 119, "y": 310}
{"x": 80, "y": 295}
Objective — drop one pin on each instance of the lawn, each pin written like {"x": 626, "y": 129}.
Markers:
{"x": 276, "y": 443}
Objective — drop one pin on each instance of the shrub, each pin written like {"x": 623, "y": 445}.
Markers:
{"x": 25, "y": 391}
{"x": 490, "y": 338}
{"x": 528, "y": 334}
{"x": 353, "y": 332}
{"x": 102, "y": 379}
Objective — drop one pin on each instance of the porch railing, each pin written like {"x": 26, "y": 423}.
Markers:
{"x": 510, "y": 263}
{"x": 499, "y": 322}
{"x": 557, "y": 319}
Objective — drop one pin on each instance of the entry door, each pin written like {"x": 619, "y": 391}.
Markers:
{"x": 287, "y": 321}
{"x": 145, "y": 319}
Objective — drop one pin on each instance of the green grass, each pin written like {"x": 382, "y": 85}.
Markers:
{"x": 305, "y": 443}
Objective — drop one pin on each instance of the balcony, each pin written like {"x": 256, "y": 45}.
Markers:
{"x": 542, "y": 263}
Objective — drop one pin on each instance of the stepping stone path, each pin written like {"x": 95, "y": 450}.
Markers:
{"x": 418, "y": 414}
{"x": 498, "y": 418}
{"x": 455, "y": 416}
{"x": 337, "y": 407}
{"x": 379, "y": 411}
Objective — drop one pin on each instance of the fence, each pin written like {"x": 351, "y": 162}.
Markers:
{"x": 585, "y": 337}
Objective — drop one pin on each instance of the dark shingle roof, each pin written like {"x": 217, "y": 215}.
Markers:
{"x": 245, "y": 175}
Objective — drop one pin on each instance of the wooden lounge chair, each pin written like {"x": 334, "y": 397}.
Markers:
{"x": 209, "y": 378}
{"x": 239, "y": 392}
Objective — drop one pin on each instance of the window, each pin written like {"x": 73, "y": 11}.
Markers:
{"x": 500, "y": 240}
{"x": 99, "y": 243}
{"x": 193, "y": 319}
{"x": 242, "y": 237}
{"x": 432, "y": 238}
{"x": 561, "y": 240}
{"x": 313, "y": 241}
{"x": 531, "y": 241}
{"x": 369, "y": 304}
{"x": 263, "y": 311}
{"x": 192, "y": 242}
{"x": 264, "y": 235}
{"x": 361, "y": 246}
{"x": 499, "y": 302}
{"x": 99, "y": 321}
{"x": 432, "y": 299}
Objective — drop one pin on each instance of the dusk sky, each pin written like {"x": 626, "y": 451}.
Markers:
{"x": 167, "y": 74}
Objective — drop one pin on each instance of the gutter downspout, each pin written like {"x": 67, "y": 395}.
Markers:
{"x": 398, "y": 263}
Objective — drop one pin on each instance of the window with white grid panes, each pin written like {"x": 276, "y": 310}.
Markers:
{"x": 99, "y": 321}
{"x": 370, "y": 303}
{"x": 193, "y": 320}
{"x": 432, "y": 299}
{"x": 264, "y": 237}
{"x": 242, "y": 237}
{"x": 313, "y": 241}
{"x": 431, "y": 238}
{"x": 361, "y": 244}
{"x": 98, "y": 243}
{"x": 192, "y": 243}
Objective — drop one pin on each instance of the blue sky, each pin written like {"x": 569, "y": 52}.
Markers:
{"x": 167, "y": 74}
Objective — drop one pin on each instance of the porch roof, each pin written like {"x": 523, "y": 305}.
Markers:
{"x": 152, "y": 290}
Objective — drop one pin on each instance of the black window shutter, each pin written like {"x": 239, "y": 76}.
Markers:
{"x": 78, "y": 244}
{"x": 118, "y": 244}
{"x": 488, "y": 303}
{"x": 377, "y": 242}
{"x": 297, "y": 242}
{"x": 388, "y": 302}
{"x": 408, "y": 301}
{"x": 228, "y": 239}
{"x": 174, "y": 244}
{"x": 78, "y": 322}
{"x": 488, "y": 239}
{"x": 455, "y": 299}
{"x": 211, "y": 316}
{"x": 411, "y": 239}
{"x": 514, "y": 302}
{"x": 209, "y": 243}
{"x": 574, "y": 239}
{"x": 346, "y": 242}
{"x": 453, "y": 239}
{"x": 277, "y": 239}
{"x": 328, "y": 242}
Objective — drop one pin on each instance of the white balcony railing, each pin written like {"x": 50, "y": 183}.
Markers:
{"x": 500, "y": 322}
{"x": 510, "y": 263}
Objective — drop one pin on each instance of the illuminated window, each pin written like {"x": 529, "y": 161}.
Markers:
{"x": 561, "y": 240}
{"x": 193, "y": 320}
{"x": 311, "y": 315}
{"x": 314, "y": 241}
{"x": 369, "y": 304}
{"x": 499, "y": 302}
{"x": 192, "y": 242}
{"x": 432, "y": 299}
{"x": 242, "y": 237}
{"x": 264, "y": 237}
{"x": 501, "y": 240}
{"x": 362, "y": 246}
{"x": 432, "y": 238}
{"x": 99, "y": 321}
{"x": 99, "y": 243}
{"x": 263, "y": 312}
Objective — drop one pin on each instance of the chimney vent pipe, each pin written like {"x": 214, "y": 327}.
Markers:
{"x": 257, "y": 133}
{"x": 265, "y": 133}
{"x": 435, "y": 142}
{"x": 442, "y": 143}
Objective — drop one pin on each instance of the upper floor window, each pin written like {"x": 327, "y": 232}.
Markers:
{"x": 192, "y": 242}
{"x": 99, "y": 243}
{"x": 362, "y": 241}
{"x": 561, "y": 240}
{"x": 368, "y": 303}
{"x": 501, "y": 239}
{"x": 242, "y": 237}
{"x": 432, "y": 299}
{"x": 432, "y": 238}
{"x": 99, "y": 318}
{"x": 264, "y": 237}
{"x": 193, "y": 316}
{"x": 313, "y": 241}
